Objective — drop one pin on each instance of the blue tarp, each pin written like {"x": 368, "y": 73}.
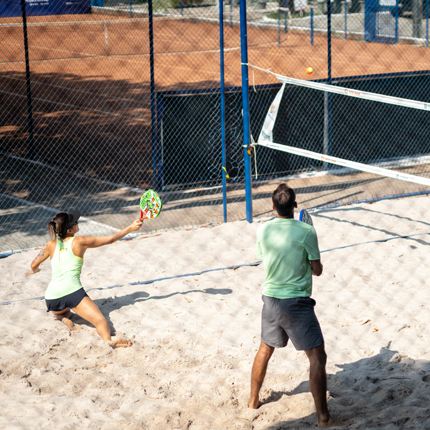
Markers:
{"x": 9, "y": 8}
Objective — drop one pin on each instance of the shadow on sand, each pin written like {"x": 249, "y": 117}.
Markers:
{"x": 110, "y": 304}
{"x": 388, "y": 391}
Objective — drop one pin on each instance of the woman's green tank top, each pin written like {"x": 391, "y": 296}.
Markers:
{"x": 66, "y": 271}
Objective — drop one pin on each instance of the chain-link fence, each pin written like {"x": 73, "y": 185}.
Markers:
{"x": 117, "y": 100}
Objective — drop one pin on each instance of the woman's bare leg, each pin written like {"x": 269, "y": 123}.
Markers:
{"x": 64, "y": 317}
{"x": 89, "y": 311}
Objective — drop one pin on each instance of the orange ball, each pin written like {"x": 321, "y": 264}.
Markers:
{"x": 309, "y": 70}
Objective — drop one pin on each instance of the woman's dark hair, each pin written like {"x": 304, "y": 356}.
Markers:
{"x": 283, "y": 199}
{"x": 58, "y": 226}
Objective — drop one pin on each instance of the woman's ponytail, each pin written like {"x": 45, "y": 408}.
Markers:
{"x": 58, "y": 226}
{"x": 51, "y": 229}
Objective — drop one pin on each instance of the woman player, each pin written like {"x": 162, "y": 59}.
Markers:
{"x": 65, "y": 290}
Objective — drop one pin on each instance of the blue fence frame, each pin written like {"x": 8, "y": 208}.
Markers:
{"x": 10, "y": 8}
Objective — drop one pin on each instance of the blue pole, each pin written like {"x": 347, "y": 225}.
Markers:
{"x": 285, "y": 16}
{"x": 346, "y": 25}
{"x": 329, "y": 76}
{"x": 182, "y": 9}
{"x": 231, "y": 13}
{"x": 245, "y": 105}
{"x": 131, "y": 9}
{"x": 427, "y": 23}
{"x": 224, "y": 163}
{"x": 152, "y": 86}
{"x": 312, "y": 25}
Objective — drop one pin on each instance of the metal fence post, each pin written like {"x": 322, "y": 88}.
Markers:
{"x": 327, "y": 96}
{"x": 152, "y": 85}
{"x": 285, "y": 16}
{"x": 345, "y": 19}
{"x": 31, "y": 149}
{"x": 245, "y": 104}
{"x": 312, "y": 25}
{"x": 279, "y": 25}
{"x": 427, "y": 23}
{"x": 224, "y": 164}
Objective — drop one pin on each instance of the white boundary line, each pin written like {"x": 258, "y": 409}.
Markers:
{"x": 57, "y": 169}
{"x": 351, "y": 164}
{"x": 35, "y": 205}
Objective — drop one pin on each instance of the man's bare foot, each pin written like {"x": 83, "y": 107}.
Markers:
{"x": 331, "y": 422}
{"x": 254, "y": 404}
{"x": 120, "y": 343}
{"x": 65, "y": 318}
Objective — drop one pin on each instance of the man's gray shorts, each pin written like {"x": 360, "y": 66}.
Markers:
{"x": 294, "y": 319}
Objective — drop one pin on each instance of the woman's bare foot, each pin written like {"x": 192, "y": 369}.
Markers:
{"x": 120, "y": 343}
{"x": 65, "y": 318}
{"x": 331, "y": 422}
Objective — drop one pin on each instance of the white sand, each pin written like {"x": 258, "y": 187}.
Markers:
{"x": 195, "y": 337}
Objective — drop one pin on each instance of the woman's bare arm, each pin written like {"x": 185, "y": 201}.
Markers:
{"x": 41, "y": 257}
{"x": 86, "y": 242}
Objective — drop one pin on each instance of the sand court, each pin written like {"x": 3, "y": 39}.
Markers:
{"x": 195, "y": 335}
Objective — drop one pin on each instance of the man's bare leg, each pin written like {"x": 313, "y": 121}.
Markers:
{"x": 258, "y": 373}
{"x": 64, "y": 317}
{"x": 89, "y": 311}
{"x": 318, "y": 385}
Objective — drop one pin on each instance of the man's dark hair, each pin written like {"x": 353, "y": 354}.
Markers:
{"x": 283, "y": 199}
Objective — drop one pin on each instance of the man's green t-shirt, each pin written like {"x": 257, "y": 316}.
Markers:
{"x": 286, "y": 247}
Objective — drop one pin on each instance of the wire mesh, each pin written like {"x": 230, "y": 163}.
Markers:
{"x": 100, "y": 137}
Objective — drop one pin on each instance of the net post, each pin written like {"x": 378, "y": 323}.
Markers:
{"x": 245, "y": 104}
{"x": 224, "y": 164}
{"x": 31, "y": 149}
{"x": 131, "y": 8}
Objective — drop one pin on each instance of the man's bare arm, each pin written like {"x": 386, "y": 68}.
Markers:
{"x": 317, "y": 267}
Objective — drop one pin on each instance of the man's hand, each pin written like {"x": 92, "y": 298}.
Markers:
{"x": 32, "y": 271}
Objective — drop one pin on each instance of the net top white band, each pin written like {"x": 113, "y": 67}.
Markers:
{"x": 349, "y": 92}
{"x": 356, "y": 93}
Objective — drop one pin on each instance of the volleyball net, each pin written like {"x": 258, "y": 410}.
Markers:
{"x": 342, "y": 138}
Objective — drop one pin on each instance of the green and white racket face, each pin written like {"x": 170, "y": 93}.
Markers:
{"x": 150, "y": 205}
{"x": 305, "y": 217}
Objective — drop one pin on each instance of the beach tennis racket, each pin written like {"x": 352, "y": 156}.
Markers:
{"x": 305, "y": 217}
{"x": 150, "y": 205}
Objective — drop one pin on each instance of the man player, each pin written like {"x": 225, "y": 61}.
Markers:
{"x": 287, "y": 246}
